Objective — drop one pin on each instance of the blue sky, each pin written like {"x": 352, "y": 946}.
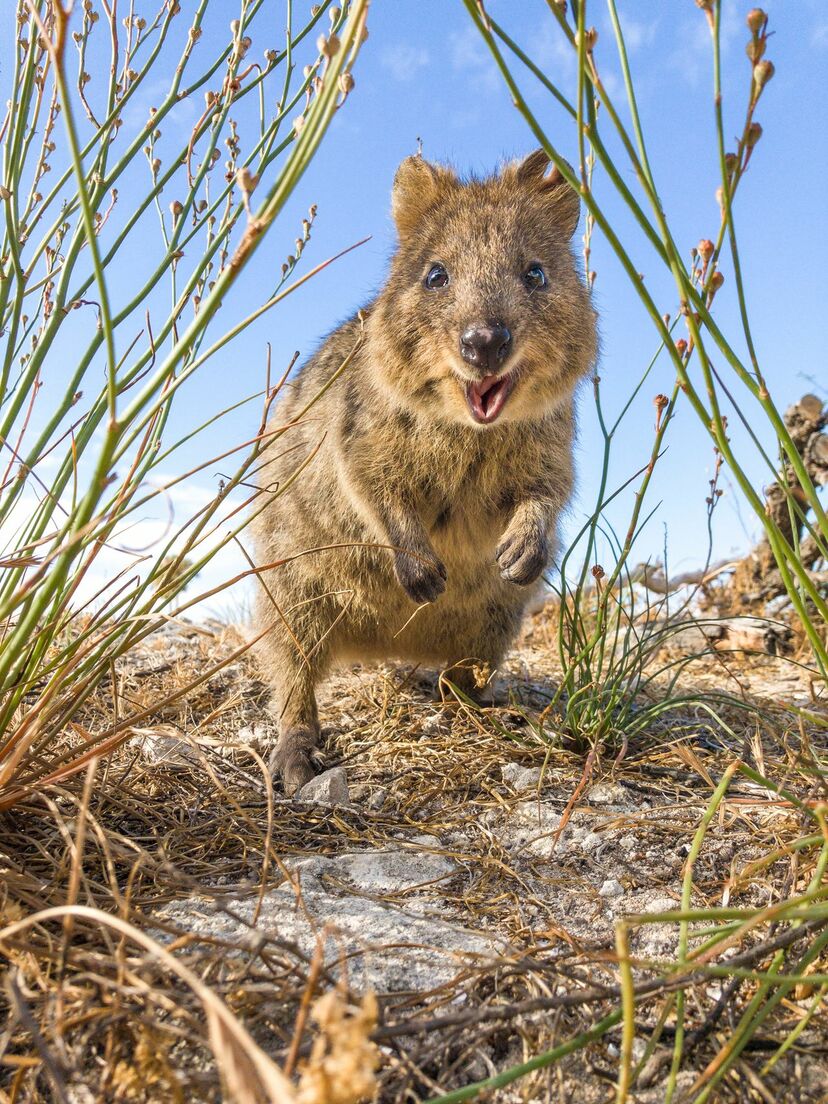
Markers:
{"x": 425, "y": 74}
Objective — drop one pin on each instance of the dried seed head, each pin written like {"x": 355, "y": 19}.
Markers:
{"x": 660, "y": 401}
{"x": 705, "y": 249}
{"x": 716, "y": 280}
{"x": 176, "y": 209}
{"x": 334, "y": 14}
{"x": 762, "y": 72}
{"x": 4, "y": 193}
{"x": 590, "y": 38}
{"x": 755, "y": 49}
{"x": 731, "y": 163}
{"x": 754, "y": 133}
{"x": 756, "y": 20}
{"x": 246, "y": 180}
{"x": 328, "y": 46}
{"x": 234, "y": 27}
{"x": 346, "y": 82}
{"x": 681, "y": 346}
{"x": 155, "y": 164}
{"x": 298, "y": 123}
{"x": 598, "y": 572}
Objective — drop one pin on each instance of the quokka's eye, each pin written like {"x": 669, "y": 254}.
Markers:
{"x": 534, "y": 278}
{"x": 436, "y": 278}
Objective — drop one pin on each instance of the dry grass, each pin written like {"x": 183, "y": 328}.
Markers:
{"x": 164, "y": 819}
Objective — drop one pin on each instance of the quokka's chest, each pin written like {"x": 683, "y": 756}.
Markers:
{"x": 471, "y": 496}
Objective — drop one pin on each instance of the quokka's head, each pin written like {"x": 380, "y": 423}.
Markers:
{"x": 484, "y": 318}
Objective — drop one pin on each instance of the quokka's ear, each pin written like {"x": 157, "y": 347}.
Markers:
{"x": 418, "y": 186}
{"x": 564, "y": 201}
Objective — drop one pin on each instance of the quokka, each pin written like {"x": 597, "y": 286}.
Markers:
{"x": 436, "y": 464}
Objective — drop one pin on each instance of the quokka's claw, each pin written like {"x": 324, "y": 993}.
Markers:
{"x": 296, "y": 771}
{"x": 423, "y": 581}
{"x": 295, "y": 759}
{"x": 522, "y": 558}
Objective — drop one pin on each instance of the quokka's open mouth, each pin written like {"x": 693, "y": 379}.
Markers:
{"x": 488, "y": 396}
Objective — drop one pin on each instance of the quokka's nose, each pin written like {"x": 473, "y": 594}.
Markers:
{"x": 485, "y": 346}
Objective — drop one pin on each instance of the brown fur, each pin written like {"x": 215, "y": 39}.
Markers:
{"x": 467, "y": 513}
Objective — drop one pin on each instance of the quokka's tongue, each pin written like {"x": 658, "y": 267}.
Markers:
{"x": 486, "y": 397}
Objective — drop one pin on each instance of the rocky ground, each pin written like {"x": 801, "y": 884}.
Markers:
{"x": 460, "y": 864}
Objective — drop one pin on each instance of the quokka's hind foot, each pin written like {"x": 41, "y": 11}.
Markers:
{"x": 470, "y": 681}
{"x": 296, "y": 758}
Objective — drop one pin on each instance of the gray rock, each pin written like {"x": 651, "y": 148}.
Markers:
{"x": 163, "y": 747}
{"x": 259, "y": 735}
{"x": 377, "y": 799}
{"x": 369, "y": 797}
{"x": 391, "y": 871}
{"x": 527, "y": 826}
{"x": 606, "y": 793}
{"x": 382, "y": 946}
{"x": 611, "y": 888}
{"x": 520, "y": 778}
{"x": 536, "y": 815}
{"x": 591, "y": 840}
{"x": 655, "y": 940}
{"x": 424, "y": 839}
{"x": 328, "y": 788}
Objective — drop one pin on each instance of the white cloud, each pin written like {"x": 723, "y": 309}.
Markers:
{"x": 693, "y": 55}
{"x": 141, "y": 540}
{"x": 404, "y": 61}
{"x": 637, "y": 34}
{"x": 470, "y": 56}
{"x": 553, "y": 53}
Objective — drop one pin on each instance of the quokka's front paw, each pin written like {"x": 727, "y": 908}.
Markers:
{"x": 423, "y": 580}
{"x": 522, "y": 555}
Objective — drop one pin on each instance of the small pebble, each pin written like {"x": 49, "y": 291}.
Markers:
{"x": 328, "y": 788}
{"x": 611, "y": 888}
